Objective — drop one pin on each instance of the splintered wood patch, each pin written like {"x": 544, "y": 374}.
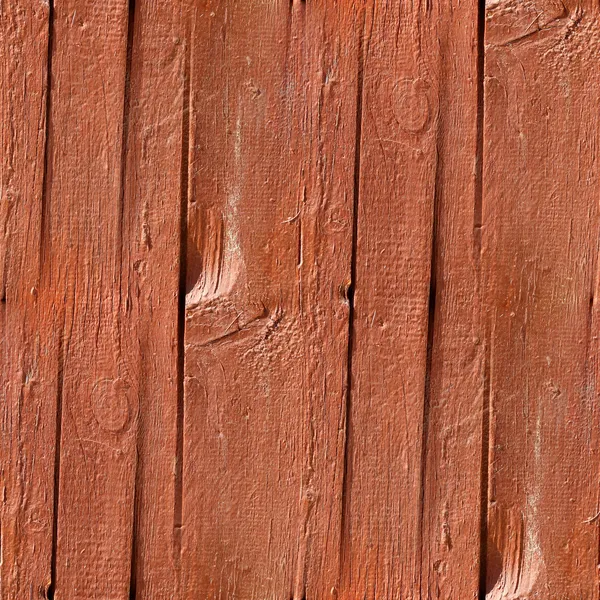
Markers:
{"x": 298, "y": 300}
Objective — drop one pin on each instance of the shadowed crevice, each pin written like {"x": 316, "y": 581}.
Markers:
{"x": 184, "y": 194}
{"x": 478, "y": 205}
{"x": 351, "y": 289}
{"x": 121, "y": 265}
{"x": 478, "y": 224}
{"x": 59, "y": 416}
{"x": 50, "y": 592}
{"x": 431, "y": 314}
{"x": 47, "y": 163}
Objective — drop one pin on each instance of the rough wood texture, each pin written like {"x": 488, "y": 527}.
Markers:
{"x": 454, "y": 393}
{"x": 299, "y": 300}
{"x": 268, "y": 269}
{"x": 156, "y": 156}
{"x": 540, "y": 227}
{"x": 84, "y": 239}
{"x": 28, "y": 358}
{"x": 412, "y": 502}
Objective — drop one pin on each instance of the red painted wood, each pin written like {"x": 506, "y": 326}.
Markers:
{"x": 28, "y": 341}
{"x": 540, "y": 225}
{"x": 298, "y": 300}
{"x": 272, "y": 158}
{"x": 413, "y": 496}
{"x": 85, "y": 241}
{"x": 156, "y": 155}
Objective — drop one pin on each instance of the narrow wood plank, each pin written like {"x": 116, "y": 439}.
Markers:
{"x": 28, "y": 370}
{"x": 414, "y": 447}
{"x": 155, "y": 155}
{"x": 540, "y": 251}
{"x": 268, "y": 268}
{"x": 454, "y": 394}
{"x": 84, "y": 249}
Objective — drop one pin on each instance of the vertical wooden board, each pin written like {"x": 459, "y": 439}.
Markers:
{"x": 451, "y": 517}
{"x": 273, "y": 120}
{"x": 27, "y": 345}
{"x": 83, "y": 249}
{"x": 414, "y": 417}
{"x": 151, "y": 264}
{"x": 382, "y": 505}
{"x": 540, "y": 230}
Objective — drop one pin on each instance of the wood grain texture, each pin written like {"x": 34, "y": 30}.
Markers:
{"x": 298, "y": 300}
{"x": 155, "y": 155}
{"x": 454, "y": 386}
{"x": 412, "y": 501}
{"x": 540, "y": 226}
{"x": 28, "y": 367}
{"x": 84, "y": 239}
{"x": 273, "y": 118}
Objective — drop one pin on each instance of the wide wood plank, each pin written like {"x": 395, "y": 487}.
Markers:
{"x": 412, "y": 501}
{"x": 273, "y": 119}
{"x": 28, "y": 369}
{"x": 540, "y": 233}
{"x": 84, "y": 247}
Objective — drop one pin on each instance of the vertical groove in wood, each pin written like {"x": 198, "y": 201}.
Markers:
{"x": 352, "y": 283}
{"x": 60, "y": 371}
{"x": 56, "y": 499}
{"x": 477, "y": 249}
{"x": 427, "y": 391}
{"x": 43, "y": 218}
{"x": 184, "y": 186}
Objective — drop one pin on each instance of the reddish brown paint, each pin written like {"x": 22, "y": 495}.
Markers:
{"x": 412, "y": 502}
{"x": 267, "y": 312}
{"x": 86, "y": 268}
{"x": 540, "y": 247}
{"x": 28, "y": 338}
{"x": 298, "y": 300}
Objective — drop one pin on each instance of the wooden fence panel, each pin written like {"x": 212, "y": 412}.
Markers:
{"x": 540, "y": 232}
{"x": 298, "y": 300}
{"x": 155, "y": 183}
{"x": 451, "y": 478}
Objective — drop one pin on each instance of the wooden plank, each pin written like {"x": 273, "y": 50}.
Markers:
{"x": 413, "y": 482}
{"x": 268, "y": 268}
{"x": 540, "y": 230}
{"x": 454, "y": 394}
{"x": 155, "y": 157}
{"x": 27, "y": 344}
{"x": 84, "y": 247}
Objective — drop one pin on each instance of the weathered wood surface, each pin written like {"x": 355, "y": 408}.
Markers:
{"x": 85, "y": 265}
{"x": 298, "y": 300}
{"x": 540, "y": 248}
{"x": 28, "y": 337}
{"x": 270, "y": 214}
{"x": 412, "y": 485}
